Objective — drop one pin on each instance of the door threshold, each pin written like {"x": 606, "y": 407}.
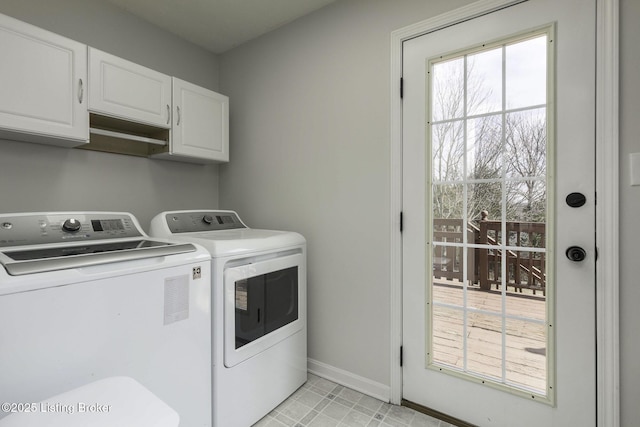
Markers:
{"x": 436, "y": 414}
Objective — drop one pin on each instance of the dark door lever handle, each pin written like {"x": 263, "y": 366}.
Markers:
{"x": 576, "y": 253}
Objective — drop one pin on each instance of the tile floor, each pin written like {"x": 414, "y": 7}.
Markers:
{"x": 322, "y": 403}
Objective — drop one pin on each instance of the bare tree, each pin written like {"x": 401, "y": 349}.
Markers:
{"x": 513, "y": 143}
{"x": 526, "y": 148}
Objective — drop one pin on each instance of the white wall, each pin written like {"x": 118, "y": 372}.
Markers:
{"x": 630, "y": 214}
{"x": 310, "y": 151}
{"x": 38, "y": 178}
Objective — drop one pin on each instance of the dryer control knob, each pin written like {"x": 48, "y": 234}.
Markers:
{"x": 207, "y": 219}
{"x": 71, "y": 225}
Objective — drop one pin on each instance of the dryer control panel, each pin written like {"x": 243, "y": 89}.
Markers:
{"x": 196, "y": 221}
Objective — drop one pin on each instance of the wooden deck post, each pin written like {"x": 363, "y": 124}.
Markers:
{"x": 483, "y": 255}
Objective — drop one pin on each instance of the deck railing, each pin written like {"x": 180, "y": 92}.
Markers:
{"x": 523, "y": 269}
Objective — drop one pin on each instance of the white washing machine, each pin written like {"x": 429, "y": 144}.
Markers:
{"x": 259, "y": 287}
{"x": 88, "y": 296}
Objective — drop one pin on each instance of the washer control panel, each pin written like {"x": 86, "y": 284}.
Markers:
{"x": 195, "y": 221}
{"x": 35, "y": 229}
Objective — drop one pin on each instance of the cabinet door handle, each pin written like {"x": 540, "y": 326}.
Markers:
{"x": 80, "y": 91}
{"x": 178, "y": 110}
{"x": 168, "y": 114}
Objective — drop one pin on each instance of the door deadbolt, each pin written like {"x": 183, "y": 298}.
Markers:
{"x": 576, "y": 200}
{"x": 576, "y": 253}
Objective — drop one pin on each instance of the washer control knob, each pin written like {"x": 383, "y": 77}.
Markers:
{"x": 207, "y": 219}
{"x": 71, "y": 225}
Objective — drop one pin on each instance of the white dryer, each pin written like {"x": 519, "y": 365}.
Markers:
{"x": 259, "y": 287}
{"x": 88, "y": 296}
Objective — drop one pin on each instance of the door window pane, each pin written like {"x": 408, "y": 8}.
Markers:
{"x": 526, "y": 201}
{"x": 526, "y": 143}
{"x": 484, "y": 147}
{"x": 526, "y": 354}
{"x": 484, "y": 345}
{"x": 448, "y": 336}
{"x": 448, "y": 151}
{"x": 448, "y": 90}
{"x": 448, "y": 202}
{"x": 484, "y": 203}
{"x": 526, "y": 73}
{"x": 484, "y": 82}
{"x": 489, "y": 288}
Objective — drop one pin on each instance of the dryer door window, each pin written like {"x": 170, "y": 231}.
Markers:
{"x": 264, "y": 304}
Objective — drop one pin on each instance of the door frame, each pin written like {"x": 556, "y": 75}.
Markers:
{"x": 607, "y": 185}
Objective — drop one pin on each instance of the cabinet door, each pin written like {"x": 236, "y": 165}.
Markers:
{"x": 42, "y": 85}
{"x": 123, "y": 89}
{"x": 200, "y": 123}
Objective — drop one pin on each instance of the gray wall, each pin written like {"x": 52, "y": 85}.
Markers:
{"x": 38, "y": 178}
{"x": 310, "y": 152}
{"x": 630, "y": 214}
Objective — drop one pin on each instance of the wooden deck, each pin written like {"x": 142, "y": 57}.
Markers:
{"x": 524, "y": 269}
{"x": 525, "y": 354}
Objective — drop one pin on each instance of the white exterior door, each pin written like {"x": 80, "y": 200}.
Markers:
{"x": 498, "y": 131}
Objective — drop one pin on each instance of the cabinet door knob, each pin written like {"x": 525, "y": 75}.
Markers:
{"x": 178, "y": 111}
{"x": 168, "y": 114}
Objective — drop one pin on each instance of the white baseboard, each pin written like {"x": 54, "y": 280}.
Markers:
{"x": 348, "y": 379}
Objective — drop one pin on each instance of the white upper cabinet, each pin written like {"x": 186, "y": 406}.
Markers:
{"x": 43, "y": 79}
{"x": 125, "y": 90}
{"x": 200, "y": 123}
{"x": 49, "y": 85}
